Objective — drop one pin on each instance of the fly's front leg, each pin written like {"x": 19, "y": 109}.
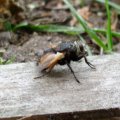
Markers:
{"x": 88, "y": 63}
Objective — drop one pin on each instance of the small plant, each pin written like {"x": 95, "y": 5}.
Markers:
{"x": 9, "y": 61}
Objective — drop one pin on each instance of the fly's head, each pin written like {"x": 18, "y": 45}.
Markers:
{"x": 80, "y": 50}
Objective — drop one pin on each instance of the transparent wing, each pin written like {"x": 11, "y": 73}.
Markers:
{"x": 49, "y": 60}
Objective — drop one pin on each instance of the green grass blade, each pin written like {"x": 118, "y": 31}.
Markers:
{"x": 103, "y": 31}
{"x": 109, "y": 34}
{"x": 60, "y": 28}
{"x": 50, "y": 28}
{"x": 91, "y": 33}
{"x": 57, "y": 28}
{"x": 112, "y": 4}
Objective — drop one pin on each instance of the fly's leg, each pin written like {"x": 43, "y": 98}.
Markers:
{"x": 40, "y": 76}
{"x": 73, "y": 72}
{"x": 44, "y": 73}
{"x": 88, "y": 63}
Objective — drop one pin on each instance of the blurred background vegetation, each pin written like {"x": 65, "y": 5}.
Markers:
{"x": 29, "y": 26}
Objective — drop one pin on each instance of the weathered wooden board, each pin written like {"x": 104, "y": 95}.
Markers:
{"x": 99, "y": 91}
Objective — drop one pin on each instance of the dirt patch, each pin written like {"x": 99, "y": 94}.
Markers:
{"x": 34, "y": 44}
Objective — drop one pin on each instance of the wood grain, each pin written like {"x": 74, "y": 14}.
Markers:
{"x": 98, "y": 93}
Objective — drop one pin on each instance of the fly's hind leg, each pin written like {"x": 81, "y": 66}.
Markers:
{"x": 40, "y": 76}
{"x": 44, "y": 73}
